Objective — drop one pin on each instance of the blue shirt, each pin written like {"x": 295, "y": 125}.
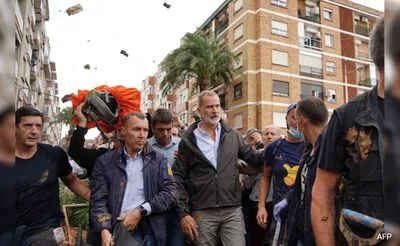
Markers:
{"x": 167, "y": 151}
{"x": 285, "y": 164}
{"x": 207, "y": 145}
{"x": 134, "y": 192}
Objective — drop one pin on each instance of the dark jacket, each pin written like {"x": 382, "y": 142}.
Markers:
{"x": 108, "y": 186}
{"x": 200, "y": 185}
{"x": 363, "y": 187}
{"x": 299, "y": 214}
{"x": 84, "y": 157}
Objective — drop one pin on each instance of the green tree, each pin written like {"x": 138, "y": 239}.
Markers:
{"x": 64, "y": 117}
{"x": 199, "y": 58}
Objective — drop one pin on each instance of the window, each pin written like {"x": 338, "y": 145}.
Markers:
{"x": 238, "y": 5}
{"x": 331, "y": 95}
{"x": 281, "y": 3}
{"x": 238, "y": 121}
{"x": 311, "y": 61}
{"x": 280, "y": 88}
{"x": 237, "y": 91}
{"x": 329, "y": 40}
{"x": 239, "y": 62}
{"x": 279, "y": 28}
{"x": 330, "y": 67}
{"x": 280, "y": 57}
{"x": 327, "y": 14}
{"x": 311, "y": 89}
{"x": 279, "y": 119}
{"x": 238, "y": 32}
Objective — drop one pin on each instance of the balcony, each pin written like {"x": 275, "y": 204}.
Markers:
{"x": 171, "y": 98}
{"x": 50, "y": 83}
{"x": 363, "y": 54}
{"x": 18, "y": 17}
{"x": 314, "y": 17}
{"x": 310, "y": 43}
{"x": 361, "y": 29}
{"x": 222, "y": 27}
{"x": 152, "y": 80}
{"x": 33, "y": 71}
{"x": 368, "y": 82}
{"x": 311, "y": 72}
{"x": 38, "y": 10}
{"x": 53, "y": 66}
{"x": 223, "y": 40}
{"x": 36, "y": 40}
{"x": 151, "y": 96}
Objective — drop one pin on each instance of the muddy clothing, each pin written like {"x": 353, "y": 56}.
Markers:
{"x": 108, "y": 185}
{"x": 7, "y": 205}
{"x": 353, "y": 146}
{"x": 37, "y": 186}
{"x": 200, "y": 184}
{"x": 84, "y": 157}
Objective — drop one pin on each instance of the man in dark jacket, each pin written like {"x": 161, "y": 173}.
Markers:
{"x": 352, "y": 151}
{"x": 132, "y": 186}
{"x": 207, "y": 176}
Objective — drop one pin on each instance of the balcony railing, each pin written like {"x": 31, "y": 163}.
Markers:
{"x": 314, "y": 17}
{"x": 362, "y": 30}
{"x": 222, "y": 27}
{"x": 311, "y": 71}
{"x": 367, "y": 82}
{"x": 310, "y": 43}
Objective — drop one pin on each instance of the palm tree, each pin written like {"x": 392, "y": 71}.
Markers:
{"x": 198, "y": 58}
{"x": 64, "y": 117}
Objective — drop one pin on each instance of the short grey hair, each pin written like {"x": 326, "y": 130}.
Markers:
{"x": 277, "y": 129}
{"x": 205, "y": 93}
{"x": 138, "y": 115}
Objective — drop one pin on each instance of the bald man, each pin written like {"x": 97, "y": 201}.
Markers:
{"x": 270, "y": 134}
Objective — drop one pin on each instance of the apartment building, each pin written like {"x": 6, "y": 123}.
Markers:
{"x": 35, "y": 74}
{"x": 289, "y": 50}
{"x": 176, "y": 100}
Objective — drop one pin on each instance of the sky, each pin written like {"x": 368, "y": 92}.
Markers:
{"x": 145, "y": 29}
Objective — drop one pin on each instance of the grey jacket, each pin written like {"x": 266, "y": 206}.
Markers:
{"x": 199, "y": 184}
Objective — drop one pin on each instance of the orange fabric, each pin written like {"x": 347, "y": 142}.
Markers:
{"x": 128, "y": 100}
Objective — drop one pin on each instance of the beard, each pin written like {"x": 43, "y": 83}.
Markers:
{"x": 212, "y": 120}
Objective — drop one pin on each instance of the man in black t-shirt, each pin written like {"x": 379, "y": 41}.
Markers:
{"x": 352, "y": 152}
{"x": 37, "y": 168}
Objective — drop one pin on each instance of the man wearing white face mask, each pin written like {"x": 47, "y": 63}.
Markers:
{"x": 281, "y": 160}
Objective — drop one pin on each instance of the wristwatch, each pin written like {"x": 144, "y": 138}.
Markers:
{"x": 142, "y": 210}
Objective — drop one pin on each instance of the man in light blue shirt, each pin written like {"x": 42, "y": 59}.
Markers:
{"x": 166, "y": 144}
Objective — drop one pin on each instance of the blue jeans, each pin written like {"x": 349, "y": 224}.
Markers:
{"x": 151, "y": 240}
{"x": 175, "y": 236}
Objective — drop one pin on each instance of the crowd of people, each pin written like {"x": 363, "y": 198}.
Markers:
{"x": 165, "y": 183}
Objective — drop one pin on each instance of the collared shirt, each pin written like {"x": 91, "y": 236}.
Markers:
{"x": 134, "y": 192}
{"x": 167, "y": 151}
{"x": 207, "y": 145}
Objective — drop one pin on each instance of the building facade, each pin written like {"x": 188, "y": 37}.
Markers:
{"x": 289, "y": 50}
{"x": 35, "y": 74}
